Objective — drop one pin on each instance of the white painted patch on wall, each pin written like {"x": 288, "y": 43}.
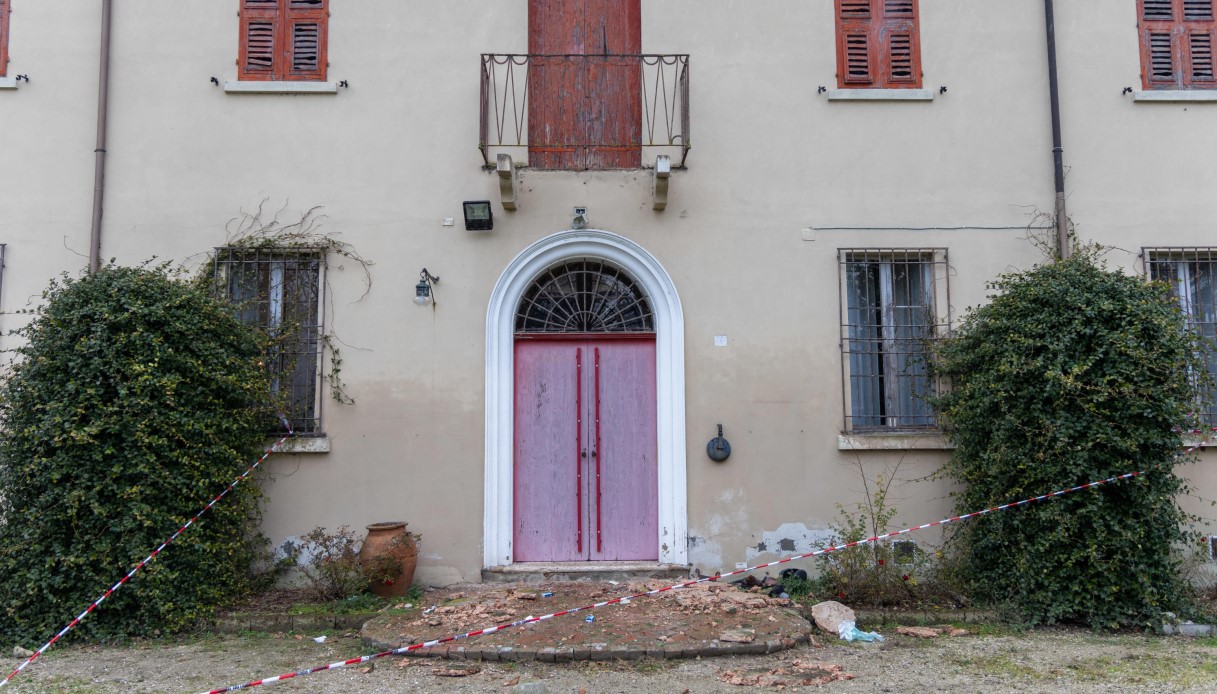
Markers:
{"x": 790, "y": 539}
{"x": 705, "y": 551}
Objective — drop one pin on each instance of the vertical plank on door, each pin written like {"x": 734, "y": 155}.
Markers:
{"x": 555, "y": 28}
{"x": 612, "y": 117}
{"x": 546, "y": 455}
{"x": 627, "y": 454}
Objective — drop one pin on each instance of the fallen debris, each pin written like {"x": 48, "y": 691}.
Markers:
{"x": 463, "y": 671}
{"x": 834, "y": 617}
{"x": 676, "y": 623}
{"x": 918, "y": 632}
{"x": 797, "y": 674}
{"x": 738, "y": 635}
{"x": 931, "y": 632}
{"x": 830, "y": 614}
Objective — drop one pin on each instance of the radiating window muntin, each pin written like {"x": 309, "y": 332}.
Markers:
{"x": 584, "y": 296}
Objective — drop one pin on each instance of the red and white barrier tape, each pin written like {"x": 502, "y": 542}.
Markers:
{"x": 502, "y": 627}
{"x": 627, "y": 598}
{"x": 147, "y": 559}
{"x": 1208, "y": 433}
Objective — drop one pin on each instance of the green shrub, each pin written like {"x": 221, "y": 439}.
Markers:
{"x": 133, "y": 401}
{"x": 1072, "y": 373}
{"x": 894, "y": 572}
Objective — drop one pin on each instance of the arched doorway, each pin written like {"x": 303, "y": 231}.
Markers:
{"x": 563, "y": 303}
{"x": 583, "y": 460}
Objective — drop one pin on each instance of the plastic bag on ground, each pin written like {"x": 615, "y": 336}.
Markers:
{"x": 849, "y": 631}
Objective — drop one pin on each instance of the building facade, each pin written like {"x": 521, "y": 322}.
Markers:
{"x": 735, "y": 214}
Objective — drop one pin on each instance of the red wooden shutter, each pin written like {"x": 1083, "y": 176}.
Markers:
{"x": 856, "y": 59}
{"x": 1177, "y": 38}
{"x": 4, "y": 10}
{"x": 878, "y": 44}
{"x": 585, "y": 97}
{"x": 305, "y": 40}
{"x": 554, "y": 83}
{"x": 282, "y": 40}
{"x": 613, "y": 117}
{"x": 260, "y": 30}
{"x": 901, "y": 58}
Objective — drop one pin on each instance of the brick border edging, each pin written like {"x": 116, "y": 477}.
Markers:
{"x": 597, "y": 651}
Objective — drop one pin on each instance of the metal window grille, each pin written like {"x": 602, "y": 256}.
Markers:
{"x": 584, "y": 296}
{"x": 890, "y": 314}
{"x": 1191, "y": 275}
{"x": 282, "y": 292}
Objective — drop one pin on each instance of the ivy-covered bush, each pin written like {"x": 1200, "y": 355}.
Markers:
{"x": 1072, "y": 373}
{"x": 134, "y": 400}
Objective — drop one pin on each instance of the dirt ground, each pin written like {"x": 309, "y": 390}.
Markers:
{"x": 708, "y": 617}
{"x": 988, "y": 660}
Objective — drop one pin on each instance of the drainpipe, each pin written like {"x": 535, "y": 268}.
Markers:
{"x": 1062, "y": 220}
{"x": 99, "y": 153}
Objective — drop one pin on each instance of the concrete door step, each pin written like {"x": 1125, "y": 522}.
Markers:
{"x": 539, "y": 572}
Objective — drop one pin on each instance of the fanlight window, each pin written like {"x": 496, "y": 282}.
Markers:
{"x": 584, "y": 296}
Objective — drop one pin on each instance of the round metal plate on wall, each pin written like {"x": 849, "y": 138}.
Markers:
{"x": 719, "y": 449}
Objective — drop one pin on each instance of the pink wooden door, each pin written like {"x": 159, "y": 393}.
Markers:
{"x": 585, "y": 450}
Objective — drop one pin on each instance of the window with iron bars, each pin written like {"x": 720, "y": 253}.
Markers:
{"x": 1191, "y": 274}
{"x": 280, "y": 290}
{"x": 890, "y": 301}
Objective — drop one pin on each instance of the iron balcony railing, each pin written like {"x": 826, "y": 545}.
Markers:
{"x": 509, "y": 98}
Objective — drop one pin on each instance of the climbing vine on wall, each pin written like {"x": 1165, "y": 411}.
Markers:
{"x": 267, "y": 229}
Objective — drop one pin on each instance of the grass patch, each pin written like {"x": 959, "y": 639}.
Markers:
{"x": 647, "y": 666}
{"x": 355, "y": 604}
{"x": 1001, "y": 666}
{"x": 360, "y": 604}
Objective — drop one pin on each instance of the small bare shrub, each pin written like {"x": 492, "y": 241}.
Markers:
{"x": 331, "y": 563}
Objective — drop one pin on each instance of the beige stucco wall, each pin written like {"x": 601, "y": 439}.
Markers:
{"x": 391, "y": 156}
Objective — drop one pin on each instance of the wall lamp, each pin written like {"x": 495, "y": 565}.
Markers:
{"x": 478, "y": 216}
{"x": 424, "y": 288}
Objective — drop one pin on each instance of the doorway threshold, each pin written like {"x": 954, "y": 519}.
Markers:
{"x": 540, "y": 572}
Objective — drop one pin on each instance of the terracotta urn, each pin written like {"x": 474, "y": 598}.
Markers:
{"x": 388, "y": 548}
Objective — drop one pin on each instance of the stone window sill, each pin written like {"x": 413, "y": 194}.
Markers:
{"x": 902, "y": 441}
{"x": 880, "y": 95}
{"x": 306, "y": 444}
{"x": 8, "y": 82}
{"x": 244, "y": 87}
{"x": 1175, "y": 95}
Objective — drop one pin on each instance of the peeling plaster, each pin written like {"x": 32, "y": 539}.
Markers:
{"x": 705, "y": 553}
{"x": 789, "y": 539}
{"x": 705, "y": 550}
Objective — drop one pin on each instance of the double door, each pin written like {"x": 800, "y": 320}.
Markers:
{"x": 585, "y": 474}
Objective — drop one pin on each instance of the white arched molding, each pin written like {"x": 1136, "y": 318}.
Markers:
{"x": 669, "y": 384}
